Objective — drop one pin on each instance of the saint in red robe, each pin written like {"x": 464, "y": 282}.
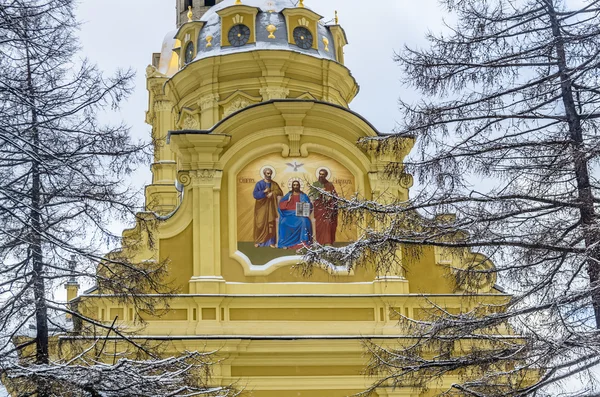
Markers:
{"x": 326, "y": 213}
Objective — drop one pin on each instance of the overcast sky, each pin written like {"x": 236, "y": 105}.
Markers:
{"x": 125, "y": 33}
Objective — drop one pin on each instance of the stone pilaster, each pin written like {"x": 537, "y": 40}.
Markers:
{"x": 209, "y": 107}
{"x": 205, "y": 188}
{"x": 162, "y": 196}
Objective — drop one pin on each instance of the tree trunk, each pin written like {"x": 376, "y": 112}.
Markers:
{"x": 35, "y": 243}
{"x": 580, "y": 163}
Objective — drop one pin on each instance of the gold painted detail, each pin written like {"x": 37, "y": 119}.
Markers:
{"x": 209, "y": 41}
{"x": 326, "y": 42}
{"x": 271, "y": 29}
{"x": 238, "y": 2}
{"x": 303, "y": 22}
{"x": 301, "y": 4}
{"x": 237, "y": 19}
{"x": 190, "y": 14}
{"x": 337, "y": 19}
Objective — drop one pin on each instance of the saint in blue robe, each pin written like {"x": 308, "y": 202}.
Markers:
{"x": 294, "y": 231}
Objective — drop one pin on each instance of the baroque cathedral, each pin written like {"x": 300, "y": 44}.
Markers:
{"x": 255, "y": 144}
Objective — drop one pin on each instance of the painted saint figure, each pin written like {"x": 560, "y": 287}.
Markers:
{"x": 266, "y": 193}
{"x": 326, "y": 209}
{"x": 295, "y": 231}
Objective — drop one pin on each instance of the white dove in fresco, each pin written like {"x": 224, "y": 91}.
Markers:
{"x": 295, "y": 166}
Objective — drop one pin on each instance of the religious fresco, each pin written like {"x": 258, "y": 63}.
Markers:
{"x": 280, "y": 210}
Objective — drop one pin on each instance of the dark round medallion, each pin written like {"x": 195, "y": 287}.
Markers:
{"x": 303, "y": 38}
{"x": 239, "y": 35}
{"x": 189, "y": 52}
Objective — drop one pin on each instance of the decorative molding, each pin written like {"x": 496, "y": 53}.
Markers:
{"x": 184, "y": 178}
{"x": 474, "y": 272}
{"x": 204, "y": 175}
{"x": 150, "y": 118}
{"x": 406, "y": 181}
{"x": 162, "y": 106}
{"x": 270, "y": 93}
{"x": 191, "y": 123}
{"x": 309, "y": 96}
{"x": 210, "y": 101}
{"x": 152, "y": 72}
{"x": 237, "y": 19}
{"x": 294, "y": 134}
{"x": 238, "y": 103}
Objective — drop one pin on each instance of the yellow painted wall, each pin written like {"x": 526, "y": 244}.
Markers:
{"x": 424, "y": 275}
{"x": 179, "y": 254}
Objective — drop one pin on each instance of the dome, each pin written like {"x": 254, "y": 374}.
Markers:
{"x": 270, "y": 12}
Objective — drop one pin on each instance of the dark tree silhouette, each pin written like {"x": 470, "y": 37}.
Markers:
{"x": 508, "y": 141}
{"x": 62, "y": 177}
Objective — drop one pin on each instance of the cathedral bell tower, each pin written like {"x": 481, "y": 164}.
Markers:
{"x": 199, "y": 8}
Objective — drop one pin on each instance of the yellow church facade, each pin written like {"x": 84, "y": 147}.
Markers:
{"x": 244, "y": 89}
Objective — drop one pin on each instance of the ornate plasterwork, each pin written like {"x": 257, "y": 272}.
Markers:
{"x": 294, "y": 134}
{"x": 150, "y": 118}
{"x": 309, "y": 96}
{"x": 190, "y": 123}
{"x": 152, "y": 72}
{"x": 238, "y": 103}
{"x": 406, "y": 181}
{"x": 210, "y": 101}
{"x": 162, "y": 106}
{"x": 270, "y": 93}
{"x": 204, "y": 175}
{"x": 201, "y": 177}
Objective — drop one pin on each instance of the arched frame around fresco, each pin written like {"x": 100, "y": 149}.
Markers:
{"x": 243, "y": 161}
{"x": 260, "y": 130}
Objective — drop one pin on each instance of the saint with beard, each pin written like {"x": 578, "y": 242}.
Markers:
{"x": 324, "y": 198}
{"x": 266, "y": 193}
{"x": 295, "y": 231}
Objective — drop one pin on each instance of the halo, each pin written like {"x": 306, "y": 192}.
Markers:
{"x": 329, "y": 174}
{"x": 270, "y": 167}
{"x": 292, "y": 180}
